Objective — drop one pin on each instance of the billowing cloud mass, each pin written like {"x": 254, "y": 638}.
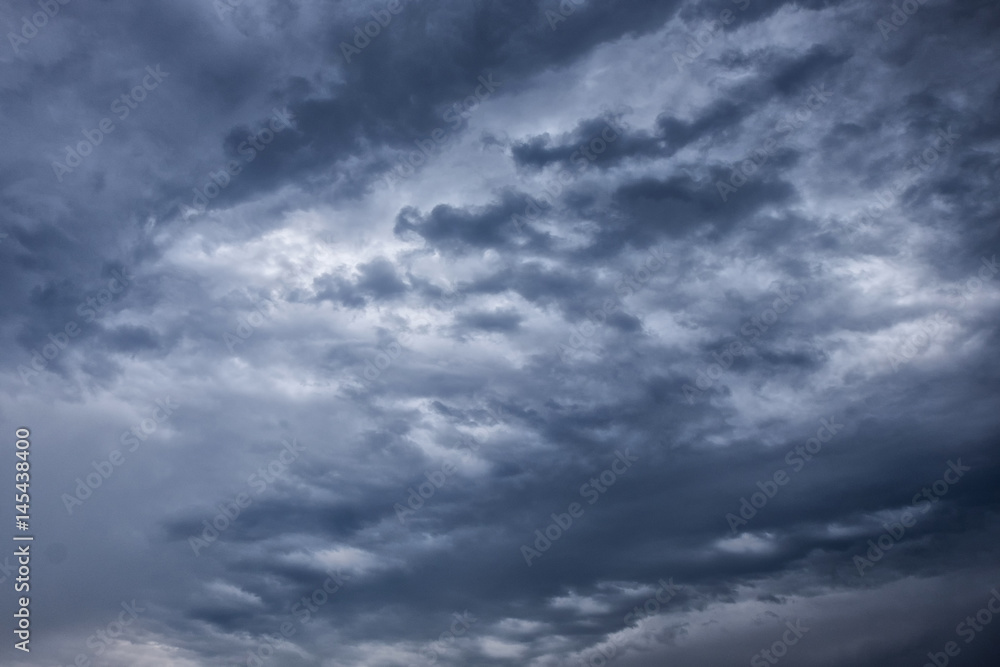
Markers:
{"x": 517, "y": 332}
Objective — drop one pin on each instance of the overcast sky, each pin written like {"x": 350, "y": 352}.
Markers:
{"x": 501, "y": 320}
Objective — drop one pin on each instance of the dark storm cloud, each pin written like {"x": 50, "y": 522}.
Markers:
{"x": 783, "y": 73}
{"x": 496, "y": 321}
{"x": 467, "y": 350}
{"x": 376, "y": 281}
{"x": 572, "y": 150}
{"x": 133, "y": 339}
{"x": 679, "y": 206}
{"x": 452, "y": 228}
{"x": 379, "y": 279}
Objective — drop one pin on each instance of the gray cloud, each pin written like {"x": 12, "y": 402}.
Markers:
{"x": 469, "y": 346}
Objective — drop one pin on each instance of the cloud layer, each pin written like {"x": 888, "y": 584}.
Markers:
{"x": 504, "y": 333}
